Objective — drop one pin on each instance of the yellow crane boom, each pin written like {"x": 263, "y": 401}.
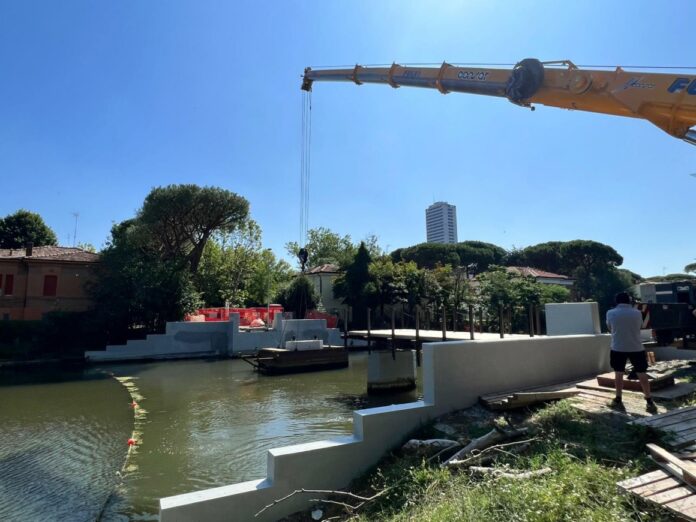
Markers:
{"x": 666, "y": 100}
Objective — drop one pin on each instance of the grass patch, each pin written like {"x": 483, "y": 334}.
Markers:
{"x": 588, "y": 455}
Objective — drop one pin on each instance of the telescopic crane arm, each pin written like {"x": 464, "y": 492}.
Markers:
{"x": 666, "y": 100}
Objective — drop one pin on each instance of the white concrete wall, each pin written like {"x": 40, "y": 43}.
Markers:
{"x": 572, "y": 318}
{"x": 248, "y": 341}
{"x": 454, "y": 375}
{"x": 460, "y": 372}
{"x": 181, "y": 340}
{"x": 386, "y": 371}
{"x": 192, "y": 339}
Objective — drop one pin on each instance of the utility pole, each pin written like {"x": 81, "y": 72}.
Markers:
{"x": 75, "y": 215}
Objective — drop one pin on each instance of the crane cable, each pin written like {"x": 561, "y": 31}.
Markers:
{"x": 305, "y": 165}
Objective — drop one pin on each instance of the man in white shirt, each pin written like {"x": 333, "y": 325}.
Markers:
{"x": 624, "y": 323}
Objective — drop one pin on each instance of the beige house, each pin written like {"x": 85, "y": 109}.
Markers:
{"x": 37, "y": 280}
{"x": 323, "y": 277}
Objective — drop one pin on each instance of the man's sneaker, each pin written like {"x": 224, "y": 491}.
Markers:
{"x": 650, "y": 405}
{"x": 617, "y": 403}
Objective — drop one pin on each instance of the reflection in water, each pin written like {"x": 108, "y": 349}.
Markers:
{"x": 61, "y": 445}
{"x": 208, "y": 423}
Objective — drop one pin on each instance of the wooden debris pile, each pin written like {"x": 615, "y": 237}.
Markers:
{"x": 679, "y": 425}
{"x": 672, "y": 487}
{"x": 528, "y": 396}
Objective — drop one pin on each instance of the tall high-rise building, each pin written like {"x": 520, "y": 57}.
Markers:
{"x": 441, "y": 223}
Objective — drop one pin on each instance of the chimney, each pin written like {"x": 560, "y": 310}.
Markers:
{"x": 30, "y": 248}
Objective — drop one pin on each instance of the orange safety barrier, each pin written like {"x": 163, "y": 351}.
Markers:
{"x": 246, "y": 315}
{"x": 331, "y": 320}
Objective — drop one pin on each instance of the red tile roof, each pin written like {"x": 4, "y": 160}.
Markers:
{"x": 51, "y": 253}
{"x": 324, "y": 269}
{"x": 535, "y": 272}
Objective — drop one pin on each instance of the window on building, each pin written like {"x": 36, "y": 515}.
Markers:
{"x": 50, "y": 285}
{"x": 9, "y": 285}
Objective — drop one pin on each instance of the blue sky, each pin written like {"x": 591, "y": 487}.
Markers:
{"x": 101, "y": 101}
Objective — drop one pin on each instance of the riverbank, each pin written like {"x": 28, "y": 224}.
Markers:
{"x": 586, "y": 453}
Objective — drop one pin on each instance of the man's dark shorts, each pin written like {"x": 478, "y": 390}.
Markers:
{"x": 639, "y": 360}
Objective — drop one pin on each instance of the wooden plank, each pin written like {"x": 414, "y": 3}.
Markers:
{"x": 685, "y": 507}
{"x": 608, "y": 380}
{"x": 679, "y": 427}
{"x": 670, "y": 495}
{"x": 670, "y": 413}
{"x": 549, "y": 387}
{"x": 671, "y": 423}
{"x": 680, "y": 389}
{"x": 545, "y": 395}
{"x": 656, "y": 487}
{"x": 640, "y": 480}
{"x": 687, "y": 468}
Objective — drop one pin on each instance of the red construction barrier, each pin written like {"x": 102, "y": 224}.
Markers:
{"x": 331, "y": 320}
{"x": 246, "y": 315}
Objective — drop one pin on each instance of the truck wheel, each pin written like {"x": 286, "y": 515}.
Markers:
{"x": 664, "y": 337}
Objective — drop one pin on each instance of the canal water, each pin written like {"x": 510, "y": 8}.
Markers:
{"x": 64, "y": 451}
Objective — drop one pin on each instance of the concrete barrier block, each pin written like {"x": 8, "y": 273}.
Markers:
{"x": 572, "y": 318}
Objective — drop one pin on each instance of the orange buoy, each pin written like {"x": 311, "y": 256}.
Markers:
{"x": 132, "y": 442}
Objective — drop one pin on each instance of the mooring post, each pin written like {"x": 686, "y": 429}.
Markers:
{"x": 418, "y": 345}
{"x": 471, "y": 322}
{"x": 501, "y": 320}
{"x": 530, "y": 319}
{"x": 369, "y": 328}
{"x": 393, "y": 325}
{"x": 345, "y": 327}
{"x": 402, "y": 316}
{"x": 444, "y": 323}
{"x": 481, "y": 319}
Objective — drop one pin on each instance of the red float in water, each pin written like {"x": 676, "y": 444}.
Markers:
{"x": 132, "y": 442}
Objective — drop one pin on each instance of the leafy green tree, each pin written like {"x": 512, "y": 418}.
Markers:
{"x": 228, "y": 264}
{"x": 180, "y": 219}
{"x": 389, "y": 282}
{"x": 554, "y": 294}
{"x": 269, "y": 276}
{"x": 673, "y": 277}
{"x": 588, "y": 256}
{"x": 691, "y": 267}
{"x": 87, "y": 247}
{"x": 356, "y": 287}
{"x": 327, "y": 247}
{"x": 136, "y": 289}
{"x": 499, "y": 287}
{"x": 298, "y": 297}
{"x": 430, "y": 255}
{"x": 545, "y": 256}
{"x": 22, "y": 227}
